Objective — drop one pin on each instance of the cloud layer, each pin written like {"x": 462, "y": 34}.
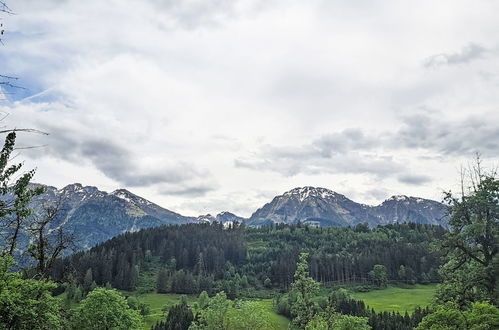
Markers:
{"x": 203, "y": 106}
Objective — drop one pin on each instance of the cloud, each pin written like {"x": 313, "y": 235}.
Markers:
{"x": 116, "y": 161}
{"x": 346, "y": 140}
{"x": 467, "y": 54}
{"x": 189, "y": 191}
{"x": 464, "y": 137}
{"x": 190, "y": 98}
{"x": 414, "y": 179}
{"x": 376, "y": 194}
{"x": 96, "y": 143}
{"x": 353, "y": 151}
{"x": 321, "y": 156}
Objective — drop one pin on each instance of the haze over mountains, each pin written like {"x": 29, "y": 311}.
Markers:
{"x": 96, "y": 216}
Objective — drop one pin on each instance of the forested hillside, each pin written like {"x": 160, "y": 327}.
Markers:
{"x": 196, "y": 257}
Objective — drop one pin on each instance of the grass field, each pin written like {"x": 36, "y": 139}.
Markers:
{"x": 157, "y": 301}
{"x": 393, "y": 298}
{"x": 398, "y": 299}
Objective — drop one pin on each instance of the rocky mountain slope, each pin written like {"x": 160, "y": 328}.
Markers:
{"x": 324, "y": 207}
{"x": 96, "y": 216}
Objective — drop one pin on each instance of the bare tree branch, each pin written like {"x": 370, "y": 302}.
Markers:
{"x": 28, "y": 130}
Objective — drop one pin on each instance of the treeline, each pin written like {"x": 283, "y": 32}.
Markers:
{"x": 196, "y": 257}
{"x": 339, "y": 255}
{"x": 180, "y": 251}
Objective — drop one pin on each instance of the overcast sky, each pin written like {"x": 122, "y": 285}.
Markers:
{"x": 210, "y": 105}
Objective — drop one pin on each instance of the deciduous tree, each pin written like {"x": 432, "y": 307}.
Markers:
{"x": 105, "y": 309}
{"x": 471, "y": 246}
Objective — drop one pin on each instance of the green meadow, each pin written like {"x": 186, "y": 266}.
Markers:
{"x": 393, "y": 298}
{"x": 397, "y": 298}
{"x": 157, "y": 301}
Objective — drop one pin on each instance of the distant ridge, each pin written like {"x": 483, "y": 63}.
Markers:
{"x": 324, "y": 207}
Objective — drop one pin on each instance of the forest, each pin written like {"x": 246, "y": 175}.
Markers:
{"x": 208, "y": 257}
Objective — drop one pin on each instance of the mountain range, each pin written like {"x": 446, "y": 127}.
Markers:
{"x": 324, "y": 207}
{"x": 96, "y": 216}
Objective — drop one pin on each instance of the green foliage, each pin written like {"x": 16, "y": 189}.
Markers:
{"x": 238, "y": 260}
{"x": 138, "y": 305}
{"x": 379, "y": 276}
{"x": 348, "y": 322}
{"x": 248, "y": 315}
{"x": 481, "y": 316}
{"x": 26, "y": 304}
{"x": 221, "y": 314}
{"x": 16, "y": 196}
{"x": 179, "y": 317}
{"x": 214, "y": 315}
{"x": 203, "y": 300}
{"x": 105, "y": 309}
{"x": 338, "y": 321}
{"x": 162, "y": 283}
{"x": 471, "y": 247}
{"x": 305, "y": 288}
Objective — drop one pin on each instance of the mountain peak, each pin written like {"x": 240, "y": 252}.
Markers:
{"x": 404, "y": 198}
{"x": 130, "y": 197}
{"x": 303, "y": 193}
{"x": 399, "y": 198}
{"x": 206, "y": 218}
{"x": 78, "y": 188}
{"x": 73, "y": 186}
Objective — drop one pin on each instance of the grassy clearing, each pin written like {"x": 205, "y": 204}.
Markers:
{"x": 398, "y": 299}
{"x": 277, "y": 321}
{"x": 157, "y": 301}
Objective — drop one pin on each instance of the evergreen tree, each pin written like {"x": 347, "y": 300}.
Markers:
{"x": 179, "y": 317}
{"x": 162, "y": 281}
{"x": 305, "y": 288}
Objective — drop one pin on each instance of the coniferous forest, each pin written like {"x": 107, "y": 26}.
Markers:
{"x": 208, "y": 257}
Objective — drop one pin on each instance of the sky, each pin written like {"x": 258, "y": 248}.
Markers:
{"x": 203, "y": 106}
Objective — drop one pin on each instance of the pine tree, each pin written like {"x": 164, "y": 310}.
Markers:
{"x": 305, "y": 288}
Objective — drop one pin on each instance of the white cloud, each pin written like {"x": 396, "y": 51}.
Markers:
{"x": 207, "y": 104}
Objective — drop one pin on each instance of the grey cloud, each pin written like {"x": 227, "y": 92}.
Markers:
{"x": 112, "y": 159}
{"x": 290, "y": 161}
{"x": 467, "y": 54}
{"x": 190, "y": 191}
{"x": 349, "y": 139}
{"x": 464, "y": 137}
{"x": 354, "y": 152}
{"x": 377, "y": 194}
{"x": 414, "y": 179}
{"x": 194, "y": 14}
